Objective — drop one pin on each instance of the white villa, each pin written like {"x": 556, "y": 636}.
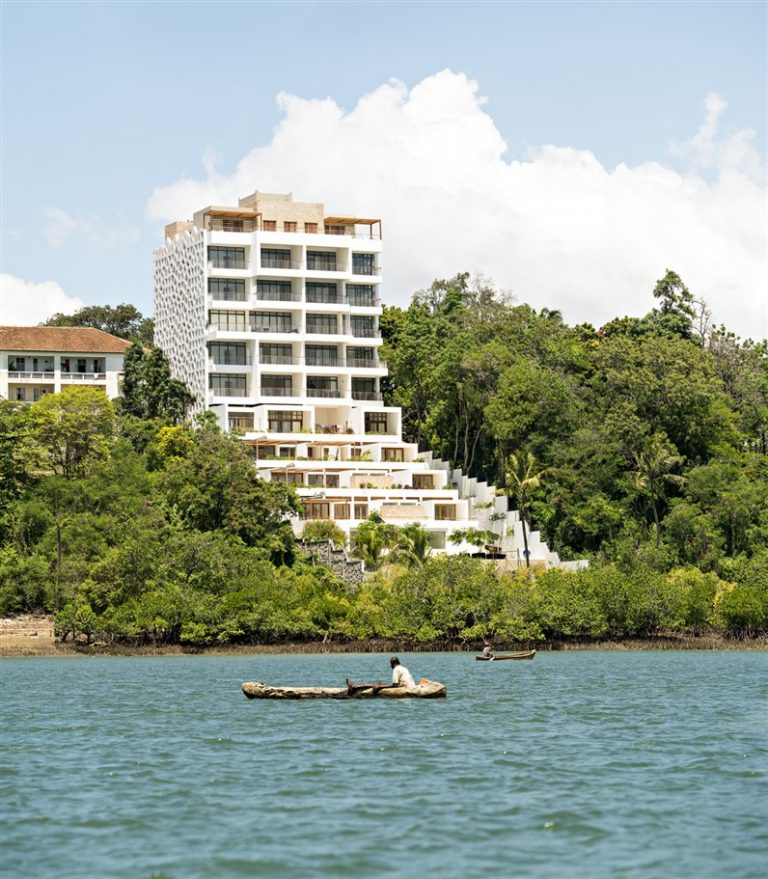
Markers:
{"x": 269, "y": 312}
{"x": 35, "y": 361}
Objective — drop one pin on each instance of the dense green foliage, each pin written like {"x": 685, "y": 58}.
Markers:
{"x": 125, "y": 321}
{"x": 640, "y": 446}
{"x": 650, "y": 434}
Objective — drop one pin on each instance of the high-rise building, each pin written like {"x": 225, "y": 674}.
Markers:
{"x": 269, "y": 311}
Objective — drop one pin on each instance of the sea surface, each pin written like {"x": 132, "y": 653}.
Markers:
{"x": 577, "y": 764}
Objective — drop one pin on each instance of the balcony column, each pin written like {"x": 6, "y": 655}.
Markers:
{"x": 57, "y": 373}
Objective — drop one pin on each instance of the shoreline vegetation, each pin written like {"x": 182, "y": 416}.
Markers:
{"x": 32, "y": 636}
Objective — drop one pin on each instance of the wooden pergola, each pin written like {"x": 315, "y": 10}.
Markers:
{"x": 354, "y": 221}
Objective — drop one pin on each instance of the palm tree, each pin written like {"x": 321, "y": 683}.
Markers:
{"x": 372, "y": 541}
{"x": 413, "y": 545}
{"x": 521, "y": 477}
{"x": 654, "y": 469}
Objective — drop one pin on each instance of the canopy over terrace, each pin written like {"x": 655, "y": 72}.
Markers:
{"x": 354, "y": 221}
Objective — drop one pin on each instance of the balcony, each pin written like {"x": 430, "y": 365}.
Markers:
{"x": 330, "y": 362}
{"x": 278, "y": 392}
{"x": 357, "y": 301}
{"x": 222, "y": 224}
{"x": 326, "y": 393}
{"x": 280, "y": 359}
{"x": 259, "y": 328}
{"x": 365, "y": 332}
{"x": 30, "y": 375}
{"x": 278, "y": 296}
{"x": 366, "y": 395}
{"x": 322, "y": 330}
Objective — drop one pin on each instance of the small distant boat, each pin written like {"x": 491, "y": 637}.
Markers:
{"x": 524, "y": 654}
{"x": 423, "y": 690}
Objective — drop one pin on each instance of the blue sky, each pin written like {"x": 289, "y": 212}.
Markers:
{"x": 516, "y": 120}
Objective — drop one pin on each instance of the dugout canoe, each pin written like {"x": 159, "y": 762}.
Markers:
{"x": 524, "y": 654}
{"x": 425, "y": 690}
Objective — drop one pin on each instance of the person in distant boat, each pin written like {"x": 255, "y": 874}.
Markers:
{"x": 487, "y": 650}
{"x": 401, "y": 677}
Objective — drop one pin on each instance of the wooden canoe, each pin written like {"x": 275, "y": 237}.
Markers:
{"x": 525, "y": 654}
{"x": 426, "y": 690}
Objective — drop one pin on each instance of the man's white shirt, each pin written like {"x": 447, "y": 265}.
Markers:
{"x": 401, "y": 677}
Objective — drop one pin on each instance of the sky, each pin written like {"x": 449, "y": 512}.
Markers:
{"x": 569, "y": 152}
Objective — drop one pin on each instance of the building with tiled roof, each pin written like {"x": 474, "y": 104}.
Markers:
{"x": 35, "y": 361}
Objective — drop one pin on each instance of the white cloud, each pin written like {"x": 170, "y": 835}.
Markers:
{"x": 27, "y": 303}
{"x": 556, "y": 229}
{"x": 61, "y": 227}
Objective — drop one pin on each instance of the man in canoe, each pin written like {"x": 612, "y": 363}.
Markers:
{"x": 401, "y": 677}
{"x": 487, "y": 651}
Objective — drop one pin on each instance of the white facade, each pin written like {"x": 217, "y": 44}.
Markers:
{"x": 35, "y": 361}
{"x": 269, "y": 312}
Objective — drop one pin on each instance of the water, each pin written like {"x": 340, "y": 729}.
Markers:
{"x": 583, "y": 764}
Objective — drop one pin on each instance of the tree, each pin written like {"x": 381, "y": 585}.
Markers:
{"x": 125, "y": 321}
{"x": 72, "y": 430}
{"x": 149, "y": 390}
{"x": 522, "y": 477}
{"x": 655, "y": 466}
{"x": 373, "y": 540}
{"x": 325, "y": 529}
{"x": 412, "y": 545}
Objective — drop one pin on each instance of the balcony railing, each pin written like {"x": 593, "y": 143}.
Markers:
{"x": 364, "y": 270}
{"x": 364, "y": 332}
{"x": 84, "y": 376}
{"x": 278, "y": 392}
{"x": 280, "y": 359}
{"x": 221, "y": 224}
{"x": 246, "y": 360}
{"x": 365, "y": 362}
{"x": 324, "y": 361}
{"x": 327, "y": 393}
{"x": 366, "y": 395}
{"x": 323, "y": 265}
{"x": 30, "y": 374}
{"x": 224, "y": 263}
{"x": 229, "y": 392}
{"x": 279, "y": 296}
{"x": 323, "y": 330}
{"x": 273, "y": 262}
{"x": 261, "y": 328}
{"x": 363, "y": 301}
{"x": 332, "y": 298}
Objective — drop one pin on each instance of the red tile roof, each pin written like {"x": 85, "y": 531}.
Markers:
{"x": 75, "y": 340}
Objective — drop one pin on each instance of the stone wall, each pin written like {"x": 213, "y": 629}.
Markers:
{"x": 324, "y": 553}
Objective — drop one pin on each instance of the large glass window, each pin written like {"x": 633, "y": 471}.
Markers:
{"x": 322, "y": 386}
{"x": 276, "y": 386}
{"x": 228, "y": 353}
{"x": 227, "y": 320}
{"x": 322, "y": 355}
{"x": 364, "y": 389}
{"x": 361, "y": 356}
{"x": 274, "y": 290}
{"x": 363, "y": 327}
{"x": 322, "y": 292}
{"x": 363, "y": 264}
{"x": 227, "y": 257}
{"x": 272, "y": 258}
{"x": 315, "y": 510}
{"x": 321, "y": 259}
{"x": 228, "y": 385}
{"x": 322, "y": 323}
{"x": 269, "y": 353}
{"x": 361, "y": 294}
{"x": 285, "y": 422}
{"x": 271, "y": 321}
{"x": 376, "y": 422}
{"x": 230, "y": 289}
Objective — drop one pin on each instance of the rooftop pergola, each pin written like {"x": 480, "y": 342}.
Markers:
{"x": 354, "y": 221}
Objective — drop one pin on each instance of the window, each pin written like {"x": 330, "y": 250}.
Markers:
{"x": 276, "y": 386}
{"x": 287, "y": 451}
{"x": 341, "y": 511}
{"x": 361, "y": 294}
{"x": 18, "y": 364}
{"x": 322, "y": 292}
{"x": 335, "y": 229}
{"x": 274, "y": 290}
{"x": 228, "y": 385}
{"x": 285, "y": 422}
{"x": 275, "y": 353}
{"x": 322, "y": 323}
{"x": 227, "y": 320}
{"x": 310, "y": 227}
{"x": 361, "y": 511}
{"x": 241, "y": 422}
{"x": 271, "y": 321}
{"x": 228, "y": 353}
{"x": 322, "y": 355}
{"x": 227, "y": 257}
{"x": 364, "y": 389}
{"x": 288, "y": 478}
{"x": 361, "y": 357}
{"x": 230, "y": 289}
{"x": 82, "y": 365}
{"x": 322, "y": 386}
{"x": 21, "y": 394}
{"x": 376, "y": 422}
{"x": 392, "y": 455}
{"x": 269, "y": 225}
{"x": 363, "y": 264}
{"x": 272, "y": 258}
{"x": 445, "y": 511}
{"x": 289, "y": 226}
{"x": 314, "y": 510}
{"x": 322, "y": 260}
{"x": 363, "y": 327}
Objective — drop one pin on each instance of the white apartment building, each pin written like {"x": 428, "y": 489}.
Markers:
{"x": 269, "y": 312}
{"x": 35, "y": 361}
